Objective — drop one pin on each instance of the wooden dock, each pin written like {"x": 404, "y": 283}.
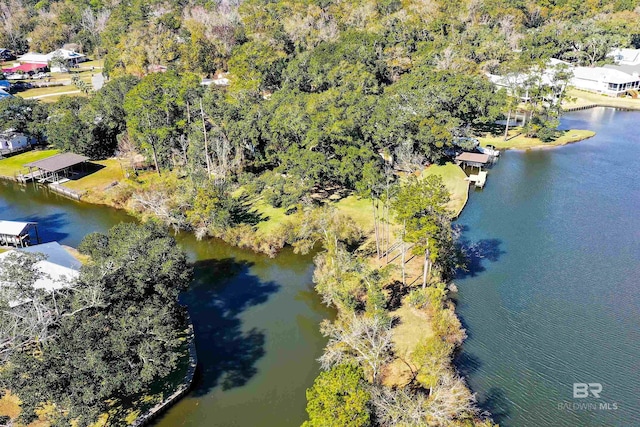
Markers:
{"x": 28, "y": 177}
{"x": 72, "y": 194}
{"x": 479, "y": 179}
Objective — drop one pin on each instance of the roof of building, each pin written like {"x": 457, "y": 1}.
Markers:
{"x": 31, "y": 66}
{"x": 34, "y": 57}
{"x": 14, "y": 228}
{"x": 629, "y": 69}
{"x": 59, "y": 269}
{"x": 66, "y": 54}
{"x": 55, "y": 254}
{"x": 601, "y": 74}
{"x": 626, "y": 56}
{"x": 473, "y": 157}
{"x": 57, "y": 162}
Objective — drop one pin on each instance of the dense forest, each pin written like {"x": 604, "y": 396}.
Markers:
{"x": 324, "y": 98}
{"x": 318, "y": 93}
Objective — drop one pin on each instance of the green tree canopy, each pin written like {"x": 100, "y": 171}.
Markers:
{"x": 339, "y": 397}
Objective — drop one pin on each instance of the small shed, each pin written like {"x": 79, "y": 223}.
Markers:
{"x": 14, "y": 233}
{"x": 472, "y": 159}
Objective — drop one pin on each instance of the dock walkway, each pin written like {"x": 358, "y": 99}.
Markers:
{"x": 479, "y": 179}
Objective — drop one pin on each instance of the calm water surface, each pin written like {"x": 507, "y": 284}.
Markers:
{"x": 553, "y": 295}
{"x": 256, "y": 319}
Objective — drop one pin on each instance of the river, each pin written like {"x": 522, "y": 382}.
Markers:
{"x": 551, "y": 298}
{"x": 552, "y": 295}
{"x": 256, "y": 319}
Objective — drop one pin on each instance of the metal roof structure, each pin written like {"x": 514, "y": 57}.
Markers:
{"x": 473, "y": 158}
{"x": 58, "y": 270}
{"x": 58, "y": 162}
{"x": 55, "y": 254}
{"x": 606, "y": 75}
{"x": 14, "y": 228}
{"x": 27, "y": 67}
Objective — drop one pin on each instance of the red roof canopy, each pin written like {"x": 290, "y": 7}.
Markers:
{"x": 25, "y": 67}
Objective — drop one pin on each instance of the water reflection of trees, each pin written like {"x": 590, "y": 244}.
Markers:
{"x": 222, "y": 290}
{"x": 476, "y": 251}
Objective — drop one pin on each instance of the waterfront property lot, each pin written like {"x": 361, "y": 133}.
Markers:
{"x": 518, "y": 141}
{"x": 453, "y": 178}
{"x": 104, "y": 174}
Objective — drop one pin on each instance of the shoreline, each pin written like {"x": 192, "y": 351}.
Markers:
{"x": 523, "y": 143}
{"x": 548, "y": 146}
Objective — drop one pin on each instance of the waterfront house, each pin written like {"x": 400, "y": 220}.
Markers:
{"x": 605, "y": 80}
{"x": 521, "y": 83}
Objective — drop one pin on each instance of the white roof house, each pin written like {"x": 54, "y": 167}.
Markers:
{"x": 59, "y": 269}
{"x": 68, "y": 56}
{"x": 13, "y": 228}
{"x": 605, "y": 80}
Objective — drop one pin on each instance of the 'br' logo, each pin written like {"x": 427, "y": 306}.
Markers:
{"x": 582, "y": 390}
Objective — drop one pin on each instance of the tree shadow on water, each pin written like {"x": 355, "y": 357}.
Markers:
{"x": 227, "y": 353}
{"x": 495, "y": 402}
{"x": 466, "y": 363}
{"x": 474, "y": 254}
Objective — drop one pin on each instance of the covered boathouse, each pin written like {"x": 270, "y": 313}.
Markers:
{"x": 14, "y": 233}
{"x": 475, "y": 160}
{"x": 52, "y": 169}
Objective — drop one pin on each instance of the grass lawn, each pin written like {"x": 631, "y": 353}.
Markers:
{"x": 453, "y": 178}
{"x": 518, "y": 141}
{"x": 93, "y": 63}
{"x": 414, "y": 327}
{"x": 13, "y": 165}
{"x": 359, "y": 209}
{"x": 582, "y": 98}
{"x": 53, "y": 98}
{"x": 95, "y": 184}
{"x": 43, "y": 91}
{"x": 272, "y": 217}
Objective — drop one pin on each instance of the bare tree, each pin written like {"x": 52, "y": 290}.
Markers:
{"x": 450, "y": 399}
{"x": 399, "y": 407}
{"x": 162, "y": 205}
{"x": 366, "y": 340}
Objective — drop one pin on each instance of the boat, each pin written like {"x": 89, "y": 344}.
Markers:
{"x": 489, "y": 150}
